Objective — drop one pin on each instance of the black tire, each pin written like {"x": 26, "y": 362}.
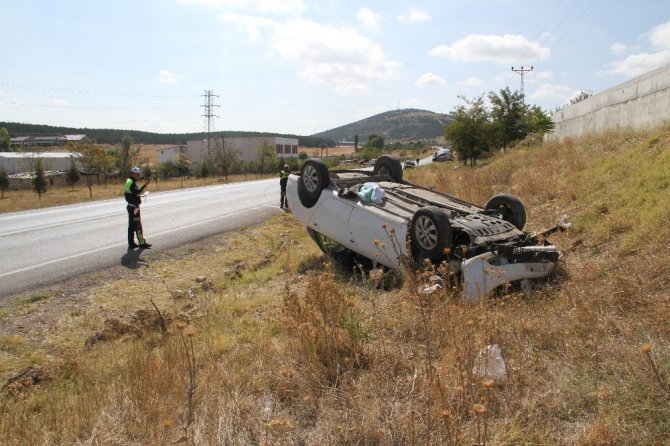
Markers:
{"x": 431, "y": 234}
{"x": 511, "y": 209}
{"x": 314, "y": 178}
{"x": 388, "y": 165}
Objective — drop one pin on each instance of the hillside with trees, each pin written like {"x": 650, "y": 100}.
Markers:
{"x": 394, "y": 126}
{"x": 115, "y": 136}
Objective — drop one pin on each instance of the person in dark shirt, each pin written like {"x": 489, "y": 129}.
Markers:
{"x": 133, "y": 199}
{"x": 283, "y": 179}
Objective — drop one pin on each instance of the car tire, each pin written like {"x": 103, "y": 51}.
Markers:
{"x": 431, "y": 233}
{"x": 388, "y": 165}
{"x": 314, "y": 177}
{"x": 510, "y": 207}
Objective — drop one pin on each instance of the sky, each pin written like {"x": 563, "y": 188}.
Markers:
{"x": 306, "y": 66}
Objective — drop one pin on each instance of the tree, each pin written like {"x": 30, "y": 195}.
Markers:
{"x": 94, "y": 160}
{"x": 375, "y": 141}
{"x": 39, "y": 179}
{"x": 4, "y": 181}
{"x": 72, "y": 173}
{"x": 129, "y": 156}
{"x": 537, "y": 121}
{"x": 183, "y": 164}
{"x": 265, "y": 151}
{"x": 5, "y": 140}
{"x": 224, "y": 158}
{"x": 507, "y": 116}
{"x": 470, "y": 131}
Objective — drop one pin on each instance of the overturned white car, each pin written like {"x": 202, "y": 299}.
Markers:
{"x": 378, "y": 216}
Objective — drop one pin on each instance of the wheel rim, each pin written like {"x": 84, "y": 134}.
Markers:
{"x": 384, "y": 170}
{"x": 310, "y": 178}
{"x": 425, "y": 232}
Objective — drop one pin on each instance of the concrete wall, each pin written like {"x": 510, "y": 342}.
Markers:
{"x": 643, "y": 102}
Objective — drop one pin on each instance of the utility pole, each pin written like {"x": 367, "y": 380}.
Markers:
{"x": 209, "y": 104}
{"x": 522, "y": 71}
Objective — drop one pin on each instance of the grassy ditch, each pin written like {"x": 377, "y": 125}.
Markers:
{"x": 261, "y": 341}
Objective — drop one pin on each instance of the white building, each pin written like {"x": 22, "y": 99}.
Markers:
{"x": 245, "y": 148}
{"x": 18, "y": 162}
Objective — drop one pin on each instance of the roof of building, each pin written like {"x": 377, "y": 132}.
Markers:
{"x": 38, "y": 154}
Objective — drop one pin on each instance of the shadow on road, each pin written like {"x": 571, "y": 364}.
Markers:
{"x": 131, "y": 259}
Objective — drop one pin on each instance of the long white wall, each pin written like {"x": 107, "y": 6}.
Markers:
{"x": 640, "y": 103}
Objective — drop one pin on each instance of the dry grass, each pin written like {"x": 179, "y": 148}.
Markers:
{"x": 289, "y": 351}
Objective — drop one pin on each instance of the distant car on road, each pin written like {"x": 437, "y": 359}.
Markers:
{"x": 444, "y": 155}
{"x": 409, "y": 164}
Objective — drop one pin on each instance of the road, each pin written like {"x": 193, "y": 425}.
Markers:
{"x": 53, "y": 244}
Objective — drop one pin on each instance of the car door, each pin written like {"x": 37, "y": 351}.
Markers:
{"x": 331, "y": 218}
{"x": 370, "y": 234}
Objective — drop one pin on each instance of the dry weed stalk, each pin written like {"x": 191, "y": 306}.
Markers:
{"x": 658, "y": 373}
{"x": 189, "y": 354}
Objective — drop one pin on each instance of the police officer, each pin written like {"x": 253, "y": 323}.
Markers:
{"x": 283, "y": 179}
{"x": 133, "y": 198}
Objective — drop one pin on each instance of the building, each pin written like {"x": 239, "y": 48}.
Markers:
{"x": 18, "y": 162}
{"x": 23, "y": 140}
{"x": 244, "y": 148}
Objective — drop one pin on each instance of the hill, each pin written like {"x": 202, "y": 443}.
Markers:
{"x": 396, "y": 125}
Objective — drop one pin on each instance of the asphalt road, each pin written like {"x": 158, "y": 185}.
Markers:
{"x": 53, "y": 244}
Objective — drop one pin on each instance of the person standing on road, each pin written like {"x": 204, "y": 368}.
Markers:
{"x": 133, "y": 198}
{"x": 283, "y": 179}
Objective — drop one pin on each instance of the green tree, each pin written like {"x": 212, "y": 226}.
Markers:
{"x": 507, "y": 117}
{"x": 129, "y": 156}
{"x": 5, "y": 141}
{"x": 470, "y": 132}
{"x": 4, "y": 181}
{"x": 94, "y": 161}
{"x": 375, "y": 141}
{"x": 224, "y": 157}
{"x": 537, "y": 121}
{"x": 183, "y": 164}
{"x": 265, "y": 154}
{"x": 39, "y": 179}
{"x": 72, "y": 175}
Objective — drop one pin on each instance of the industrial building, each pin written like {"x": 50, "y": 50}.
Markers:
{"x": 18, "y": 162}
{"x": 245, "y": 148}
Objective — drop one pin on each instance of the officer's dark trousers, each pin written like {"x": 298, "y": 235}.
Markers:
{"x": 134, "y": 225}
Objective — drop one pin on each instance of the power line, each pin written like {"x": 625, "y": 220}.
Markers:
{"x": 575, "y": 22}
{"x": 87, "y": 92}
{"x": 25, "y": 104}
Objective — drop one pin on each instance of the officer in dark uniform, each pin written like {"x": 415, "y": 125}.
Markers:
{"x": 134, "y": 199}
{"x": 283, "y": 179}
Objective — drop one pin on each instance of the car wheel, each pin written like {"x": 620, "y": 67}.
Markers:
{"x": 314, "y": 178}
{"x": 431, "y": 233}
{"x": 388, "y": 165}
{"x": 510, "y": 207}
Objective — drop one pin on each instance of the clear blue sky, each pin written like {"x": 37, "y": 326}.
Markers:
{"x": 305, "y": 66}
